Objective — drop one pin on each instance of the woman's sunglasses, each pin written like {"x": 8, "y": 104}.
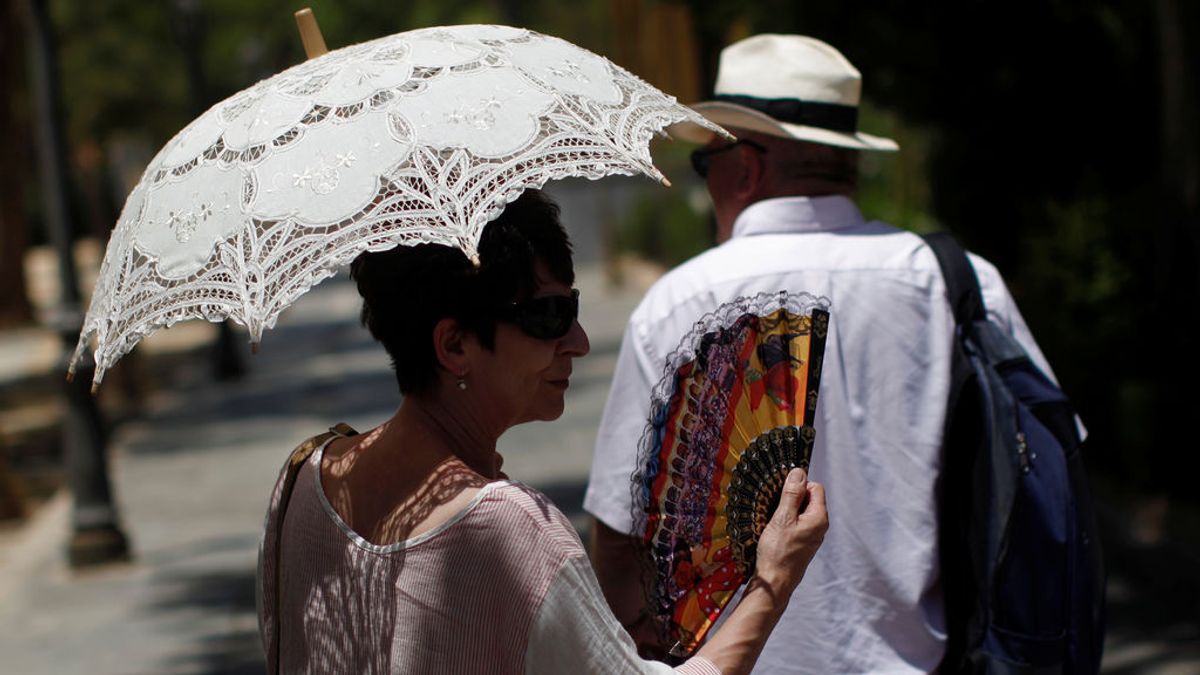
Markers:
{"x": 702, "y": 158}
{"x": 546, "y": 318}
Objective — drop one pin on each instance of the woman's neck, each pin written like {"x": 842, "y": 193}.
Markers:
{"x": 411, "y": 473}
{"x": 453, "y": 429}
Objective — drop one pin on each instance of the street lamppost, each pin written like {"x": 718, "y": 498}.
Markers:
{"x": 96, "y": 537}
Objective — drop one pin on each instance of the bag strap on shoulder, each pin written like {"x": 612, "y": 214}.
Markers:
{"x": 295, "y": 461}
{"x": 962, "y": 285}
{"x": 301, "y": 455}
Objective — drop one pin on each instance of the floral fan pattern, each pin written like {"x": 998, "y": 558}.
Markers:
{"x": 732, "y": 415}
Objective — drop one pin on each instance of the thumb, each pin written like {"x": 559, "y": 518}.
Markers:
{"x": 816, "y": 509}
{"x": 795, "y": 487}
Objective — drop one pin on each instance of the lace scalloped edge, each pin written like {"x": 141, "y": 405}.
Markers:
{"x": 760, "y": 305}
{"x": 105, "y": 357}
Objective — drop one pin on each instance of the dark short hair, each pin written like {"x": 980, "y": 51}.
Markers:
{"x": 406, "y": 290}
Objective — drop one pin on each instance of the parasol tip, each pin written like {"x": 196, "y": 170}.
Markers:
{"x": 475, "y": 260}
{"x": 665, "y": 182}
{"x": 95, "y": 388}
{"x": 310, "y": 33}
{"x": 254, "y": 347}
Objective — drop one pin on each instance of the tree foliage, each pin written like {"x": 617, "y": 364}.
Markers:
{"x": 1057, "y": 139}
{"x": 1048, "y": 155}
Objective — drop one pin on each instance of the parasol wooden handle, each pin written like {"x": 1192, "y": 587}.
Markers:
{"x": 310, "y": 33}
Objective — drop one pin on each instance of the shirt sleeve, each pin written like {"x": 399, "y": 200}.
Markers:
{"x": 609, "y": 494}
{"x": 575, "y": 632}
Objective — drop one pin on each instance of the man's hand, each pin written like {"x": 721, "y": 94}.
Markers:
{"x": 621, "y": 565}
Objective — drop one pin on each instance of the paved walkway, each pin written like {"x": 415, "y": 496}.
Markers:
{"x": 192, "y": 473}
{"x": 192, "y": 477}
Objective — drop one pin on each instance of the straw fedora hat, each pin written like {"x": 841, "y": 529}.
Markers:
{"x": 790, "y": 86}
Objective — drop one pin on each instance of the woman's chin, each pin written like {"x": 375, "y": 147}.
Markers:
{"x": 548, "y": 411}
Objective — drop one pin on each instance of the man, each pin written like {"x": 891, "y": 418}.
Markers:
{"x": 782, "y": 196}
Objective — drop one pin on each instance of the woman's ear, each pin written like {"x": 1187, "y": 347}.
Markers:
{"x": 449, "y": 344}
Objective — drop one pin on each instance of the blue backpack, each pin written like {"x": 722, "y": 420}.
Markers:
{"x": 1022, "y": 573}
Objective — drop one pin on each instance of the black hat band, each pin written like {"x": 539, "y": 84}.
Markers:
{"x": 832, "y": 116}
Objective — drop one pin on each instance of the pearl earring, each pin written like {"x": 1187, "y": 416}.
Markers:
{"x": 462, "y": 383}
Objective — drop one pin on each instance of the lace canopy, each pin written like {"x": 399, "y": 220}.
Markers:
{"x": 419, "y": 137}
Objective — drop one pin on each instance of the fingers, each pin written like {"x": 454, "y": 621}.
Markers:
{"x": 794, "y": 491}
{"x": 815, "y": 511}
{"x": 816, "y": 495}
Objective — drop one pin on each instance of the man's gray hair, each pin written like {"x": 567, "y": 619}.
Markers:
{"x": 804, "y": 161}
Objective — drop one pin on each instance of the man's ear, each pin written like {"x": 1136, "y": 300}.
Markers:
{"x": 449, "y": 345}
{"x": 751, "y": 174}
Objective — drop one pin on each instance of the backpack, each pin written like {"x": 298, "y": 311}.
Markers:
{"x": 1022, "y": 573}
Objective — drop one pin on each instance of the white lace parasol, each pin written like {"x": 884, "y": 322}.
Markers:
{"x": 419, "y": 137}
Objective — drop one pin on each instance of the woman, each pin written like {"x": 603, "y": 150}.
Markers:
{"x": 406, "y": 549}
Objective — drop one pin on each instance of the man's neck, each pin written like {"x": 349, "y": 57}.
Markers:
{"x": 810, "y": 187}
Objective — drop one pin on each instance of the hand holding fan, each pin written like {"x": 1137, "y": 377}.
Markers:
{"x": 732, "y": 416}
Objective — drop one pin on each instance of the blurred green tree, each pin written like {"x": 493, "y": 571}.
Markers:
{"x": 1058, "y": 139}
{"x": 1053, "y": 153}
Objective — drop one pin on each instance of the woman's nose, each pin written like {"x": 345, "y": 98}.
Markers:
{"x": 575, "y": 342}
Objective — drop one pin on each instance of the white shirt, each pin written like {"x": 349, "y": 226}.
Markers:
{"x": 870, "y": 600}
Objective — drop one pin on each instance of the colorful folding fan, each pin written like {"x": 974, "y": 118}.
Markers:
{"x": 732, "y": 416}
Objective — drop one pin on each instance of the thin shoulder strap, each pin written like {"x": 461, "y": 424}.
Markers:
{"x": 301, "y": 455}
{"x": 295, "y": 461}
{"x": 962, "y": 285}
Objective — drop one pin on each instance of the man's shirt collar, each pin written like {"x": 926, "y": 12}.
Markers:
{"x": 797, "y": 214}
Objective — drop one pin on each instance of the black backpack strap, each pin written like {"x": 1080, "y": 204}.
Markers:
{"x": 962, "y": 286}
{"x": 961, "y": 438}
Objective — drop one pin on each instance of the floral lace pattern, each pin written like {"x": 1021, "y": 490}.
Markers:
{"x": 419, "y": 137}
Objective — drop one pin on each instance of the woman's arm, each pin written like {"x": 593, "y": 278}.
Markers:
{"x": 575, "y": 631}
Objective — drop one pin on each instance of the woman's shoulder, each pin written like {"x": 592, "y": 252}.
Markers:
{"x": 521, "y": 507}
{"x": 524, "y": 502}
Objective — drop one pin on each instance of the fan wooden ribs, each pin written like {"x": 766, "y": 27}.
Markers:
{"x": 757, "y": 483}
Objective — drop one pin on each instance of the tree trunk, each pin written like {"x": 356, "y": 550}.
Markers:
{"x": 1177, "y": 255}
{"x": 15, "y": 308}
{"x": 96, "y": 537}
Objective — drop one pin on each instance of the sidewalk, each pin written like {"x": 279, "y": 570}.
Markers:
{"x": 191, "y": 476}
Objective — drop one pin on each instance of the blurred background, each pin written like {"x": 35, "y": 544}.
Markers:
{"x": 1061, "y": 140}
